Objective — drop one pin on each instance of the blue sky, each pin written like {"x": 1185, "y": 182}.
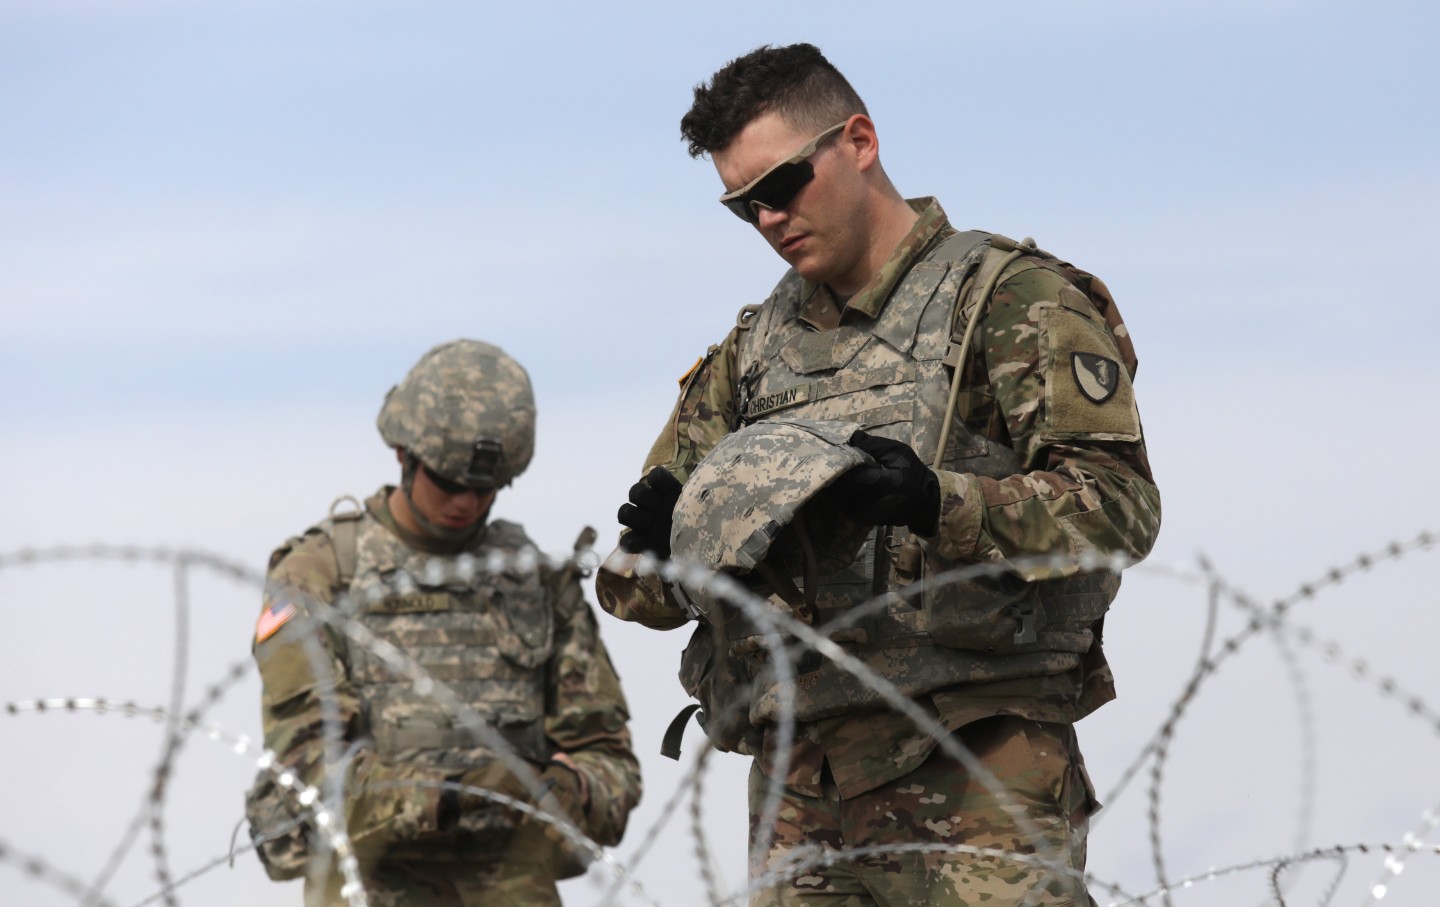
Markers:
{"x": 289, "y": 180}
{"x": 227, "y": 228}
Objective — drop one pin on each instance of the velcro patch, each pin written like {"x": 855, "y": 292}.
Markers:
{"x": 1087, "y": 388}
{"x": 272, "y": 619}
{"x": 1097, "y": 377}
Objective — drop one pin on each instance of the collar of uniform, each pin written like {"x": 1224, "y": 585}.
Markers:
{"x": 378, "y": 506}
{"x": 818, "y": 306}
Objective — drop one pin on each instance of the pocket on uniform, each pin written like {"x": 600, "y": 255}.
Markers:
{"x": 296, "y": 664}
{"x": 986, "y": 615}
{"x": 1061, "y": 770}
{"x": 1028, "y": 760}
{"x": 525, "y": 619}
{"x": 1084, "y": 803}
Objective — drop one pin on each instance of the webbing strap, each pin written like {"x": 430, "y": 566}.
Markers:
{"x": 670, "y": 743}
{"x": 344, "y": 533}
{"x": 960, "y": 354}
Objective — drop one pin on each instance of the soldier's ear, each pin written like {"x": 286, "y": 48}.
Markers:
{"x": 863, "y": 141}
{"x": 400, "y": 455}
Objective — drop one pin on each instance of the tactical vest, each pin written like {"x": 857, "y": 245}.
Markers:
{"x": 890, "y": 376}
{"x": 487, "y": 639}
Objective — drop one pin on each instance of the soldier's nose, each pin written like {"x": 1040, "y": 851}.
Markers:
{"x": 770, "y": 217}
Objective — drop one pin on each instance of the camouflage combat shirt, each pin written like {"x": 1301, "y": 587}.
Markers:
{"x": 309, "y": 669}
{"x": 1081, "y": 492}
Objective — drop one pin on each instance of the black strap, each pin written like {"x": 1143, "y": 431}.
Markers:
{"x": 670, "y": 743}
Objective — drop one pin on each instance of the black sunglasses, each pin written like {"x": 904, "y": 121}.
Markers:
{"x": 774, "y": 188}
{"x": 450, "y": 487}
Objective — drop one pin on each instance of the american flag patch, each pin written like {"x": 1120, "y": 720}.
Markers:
{"x": 272, "y": 619}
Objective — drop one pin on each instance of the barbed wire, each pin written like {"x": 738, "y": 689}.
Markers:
{"x": 40, "y": 870}
{"x": 134, "y": 554}
{"x": 1272, "y": 864}
{"x": 786, "y": 640}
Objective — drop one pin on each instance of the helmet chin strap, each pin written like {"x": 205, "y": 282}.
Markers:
{"x": 457, "y": 537}
{"x": 802, "y": 600}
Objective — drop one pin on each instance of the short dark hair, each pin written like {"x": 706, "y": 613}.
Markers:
{"x": 796, "y": 82}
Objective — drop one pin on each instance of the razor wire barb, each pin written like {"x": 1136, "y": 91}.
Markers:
{"x": 784, "y": 639}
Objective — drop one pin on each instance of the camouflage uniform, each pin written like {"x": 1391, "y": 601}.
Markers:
{"x": 519, "y": 647}
{"x": 1048, "y": 377}
{"x": 939, "y": 804}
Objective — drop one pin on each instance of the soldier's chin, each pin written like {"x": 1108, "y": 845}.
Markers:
{"x": 453, "y": 532}
{"x": 810, "y": 269}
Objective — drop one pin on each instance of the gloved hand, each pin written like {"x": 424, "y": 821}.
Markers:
{"x": 561, "y": 790}
{"x": 565, "y": 792}
{"x": 650, "y": 513}
{"x": 898, "y": 490}
{"x": 279, "y": 827}
{"x": 387, "y": 805}
{"x": 568, "y": 788}
{"x": 470, "y": 812}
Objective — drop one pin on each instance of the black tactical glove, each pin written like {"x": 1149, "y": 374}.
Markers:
{"x": 899, "y": 490}
{"x": 650, "y": 513}
{"x": 568, "y": 787}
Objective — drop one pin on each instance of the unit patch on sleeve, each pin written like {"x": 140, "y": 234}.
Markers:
{"x": 1096, "y": 376}
{"x": 1087, "y": 386}
{"x": 272, "y": 619}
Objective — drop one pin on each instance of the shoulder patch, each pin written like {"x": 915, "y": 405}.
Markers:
{"x": 1097, "y": 377}
{"x": 276, "y": 614}
{"x": 1087, "y": 390}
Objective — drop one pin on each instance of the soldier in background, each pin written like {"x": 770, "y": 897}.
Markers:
{"x": 423, "y": 567}
{"x": 988, "y": 386}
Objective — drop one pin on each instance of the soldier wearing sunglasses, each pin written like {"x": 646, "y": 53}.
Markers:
{"x": 993, "y": 384}
{"x": 532, "y": 709}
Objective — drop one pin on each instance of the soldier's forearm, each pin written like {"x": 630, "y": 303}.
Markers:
{"x": 626, "y": 594}
{"x": 1071, "y": 512}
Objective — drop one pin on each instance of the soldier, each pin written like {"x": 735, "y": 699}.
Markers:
{"x": 988, "y": 387}
{"x": 518, "y": 695}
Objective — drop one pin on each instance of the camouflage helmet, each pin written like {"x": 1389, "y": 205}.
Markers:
{"x": 466, "y": 411}
{"x": 735, "y": 509}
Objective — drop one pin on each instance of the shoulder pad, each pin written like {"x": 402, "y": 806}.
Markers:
{"x": 308, "y": 563}
{"x": 505, "y": 534}
{"x": 961, "y": 248}
{"x": 289, "y": 545}
{"x": 324, "y": 532}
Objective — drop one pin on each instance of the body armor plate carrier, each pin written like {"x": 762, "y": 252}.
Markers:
{"x": 921, "y": 631}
